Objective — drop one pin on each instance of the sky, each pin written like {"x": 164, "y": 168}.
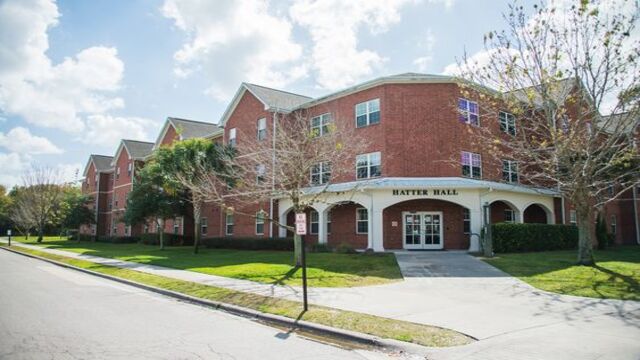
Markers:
{"x": 78, "y": 76}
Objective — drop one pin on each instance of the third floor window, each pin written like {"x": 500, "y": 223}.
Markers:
{"x": 507, "y": 123}
{"x": 468, "y": 112}
{"x": 320, "y": 124}
{"x": 232, "y": 137}
{"x": 262, "y": 129}
{"x": 368, "y": 113}
{"x": 368, "y": 165}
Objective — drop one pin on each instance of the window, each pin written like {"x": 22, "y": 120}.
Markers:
{"x": 115, "y": 197}
{"x": 611, "y": 190}
{"x": 509, "y": 216}
{"x": 110, "y": 204}
{"x": 362, "y": 221}
{"x": 328, "y": 222}
{"x": 466, "y": 221}
{"x": 468, "y": 112}
{"x": 232, "y": 137}
{"x": 127, "y": 230}
{"x": 368, "y": 165}
{"x": 368, "y": 113}
{"x": 614, "y": 224}
{"x": 95, "y": 180}
{"x": 118, "y": 172}
{"x": 204, "y": 226}
{"x": 471, "y": 165}
{"x": 260, "y": 173}
{"x": 573, "y": 218}
{"x": 129, "y": 169}
{"x": 320, "y": 124}
{"x": 313, "y": 222}
{"x": 262, "y": 129}
{"x": 320, "y": 173}
{"x": 229, "y": 224}
{"x": 146, "y": 228}
{"x": 259, "y": 223}
{"x": 507, "y": 123}
{"x": 510, "y": 171}
{"x": 176, "y": 226}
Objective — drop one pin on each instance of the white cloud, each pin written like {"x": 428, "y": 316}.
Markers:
{"x": 106, "y": 130}
{"x": 235, "y": 41}
{"x": 427, "y": 42}
{"x": 334, "y": 27}
{"x": 20, "y": 140}
{"x": 44, "y": 94}
{"x": 12, "y": 165}
{"x": 70, "y": 172}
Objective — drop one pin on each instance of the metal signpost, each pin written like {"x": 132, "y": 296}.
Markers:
{"x": 301, "y": 229}
{"x": 9, "y": 235}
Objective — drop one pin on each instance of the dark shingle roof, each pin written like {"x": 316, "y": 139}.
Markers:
{"x": 277, "y": 99}
{"x": 101, "y": 162}
{"x": 138, "y": 149}
{"x": 189, "y": 129}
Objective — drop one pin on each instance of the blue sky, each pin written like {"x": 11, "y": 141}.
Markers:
{"x": 76, "y": 76}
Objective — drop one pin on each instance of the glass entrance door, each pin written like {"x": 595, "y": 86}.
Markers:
{"x": 422, "y": 230}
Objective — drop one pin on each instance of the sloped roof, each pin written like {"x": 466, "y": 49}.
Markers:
{"x": 193, "y": 129}
{"x": 277, "y": 99}
{"x": 559, "y": 93}
{"x": 102, "y": 163}
{"x": 624, "y": 122}
{"x": 138, "y": 149}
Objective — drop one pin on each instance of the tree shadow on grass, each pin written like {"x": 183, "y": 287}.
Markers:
{"x": 632, "y": 285}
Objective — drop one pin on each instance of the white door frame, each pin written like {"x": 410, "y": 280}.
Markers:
{"x": 422, "y": 244}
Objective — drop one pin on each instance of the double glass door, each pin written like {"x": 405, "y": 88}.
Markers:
{"x": 422, "y": 230}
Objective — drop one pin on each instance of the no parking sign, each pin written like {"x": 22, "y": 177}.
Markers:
{"x": 301, "y": 224}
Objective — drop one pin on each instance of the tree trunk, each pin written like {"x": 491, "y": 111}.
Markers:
{"x": 161, "y": 233}
{"x": 297, "y": 250}
{"x": 40, "y": 232}
{"x": 585, "y": 243}
{"x": 197, "y": 209}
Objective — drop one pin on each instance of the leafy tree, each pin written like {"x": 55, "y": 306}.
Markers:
{"x": 75, "y": 209}
{"x": 154, "y": 197}
{"x": 5, "y": 206}
{"x": 41, "y": 197}
{"x": 186, "y": 164}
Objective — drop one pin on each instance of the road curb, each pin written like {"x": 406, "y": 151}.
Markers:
{"x": 340, "y": 334}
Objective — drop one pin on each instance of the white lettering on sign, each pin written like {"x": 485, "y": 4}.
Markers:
{"x": 301, "y": 218}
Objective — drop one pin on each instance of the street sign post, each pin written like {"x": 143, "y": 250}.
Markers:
{"x": 301, "y": 229}
{"x": 9, "y": 235}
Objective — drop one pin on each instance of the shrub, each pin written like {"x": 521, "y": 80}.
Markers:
{"x": 321, "y": 248}
{"x": 83, "y": 237}
{"x": 345, "y": 248}
{"x": 248, "y": 243}
{"x": 533, "y": 237}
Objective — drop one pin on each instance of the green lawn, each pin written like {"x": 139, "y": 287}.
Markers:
{"x": 273, "y": 267}
{"x": 616, "y": 274}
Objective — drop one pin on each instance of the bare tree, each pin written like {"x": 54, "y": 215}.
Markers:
{"x": 20, "y": 214}
{"x": 42, "y": 195}
{"x": 557, "y": 70}
{"x": 299, "y": 163}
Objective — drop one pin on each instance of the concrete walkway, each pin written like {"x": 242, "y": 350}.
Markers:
{"x": 457, "y": 291}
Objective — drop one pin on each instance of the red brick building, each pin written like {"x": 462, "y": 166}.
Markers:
{"x": 410, "y": 194}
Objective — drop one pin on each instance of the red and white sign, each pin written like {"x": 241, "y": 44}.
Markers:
{"x": 301, "y": 224}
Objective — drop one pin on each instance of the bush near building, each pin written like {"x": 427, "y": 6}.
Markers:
{"x": 508, "y": 238}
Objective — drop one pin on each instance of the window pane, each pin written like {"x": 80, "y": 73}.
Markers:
{"x": 473, "y": 120}
{"x": 466, "y": 170}
{"x": 375, "y": 171}
{"x": 374, "y": 159}
{"x": 473, "y": 107}
{"x": 361, "y": 160}
{"x": 462, "y": 104}
{"x": 315, "y": 121}
{"x": 465, "y": 158}
{"x": 361, "y": 109}
{"x": 362, "y": 227}
{"x": 476, "y": 172}
{"x": 374, "y": 105}
{"x": 361, "y": 121}
{"x": 362, "y": 214}
{"x": 362, "y": 173}
{"x": 374, "y": 117}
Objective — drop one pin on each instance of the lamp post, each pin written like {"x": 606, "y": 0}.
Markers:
{"x": 9, "y": 235}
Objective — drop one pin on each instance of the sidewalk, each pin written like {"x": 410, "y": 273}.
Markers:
{"x": 459, "y": 292}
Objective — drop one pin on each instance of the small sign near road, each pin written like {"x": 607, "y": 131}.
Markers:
{"x": 301, "y": 224}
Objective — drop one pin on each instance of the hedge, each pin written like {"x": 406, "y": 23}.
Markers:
{"x": 240, "y": 243}
{"x": 169, "y": 239}
{"x": 533, "y": 237}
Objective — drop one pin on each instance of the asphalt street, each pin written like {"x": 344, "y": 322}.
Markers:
{"x": 48, "y": 312}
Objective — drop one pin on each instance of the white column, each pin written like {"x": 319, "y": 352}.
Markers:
{"x": 282, "y": 218}
{"x": 322, "y": 224}
{"x": 518, "y": 216}
{"x": 375, "y": 239}
{"x": 476, "y": 228}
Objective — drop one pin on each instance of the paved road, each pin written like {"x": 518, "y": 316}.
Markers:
{"x": 56, "y": 313}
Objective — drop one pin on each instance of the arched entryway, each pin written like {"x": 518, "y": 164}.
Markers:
{"x": 428, "y": 224}
{"x": 504, "y": 211}
{"x": 537, "y": 214}
{"x": 347, "y": 222}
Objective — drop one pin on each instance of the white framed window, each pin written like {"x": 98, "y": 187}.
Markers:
{"x": 507, "y": 122}
{"x": 260, "y": 223}
{"x": 118, "y": 172}
{"x": 320, "y": 173}
{"x": 320, "y": 124}
{"x": 466, "y": 221}
{"x": 228, "y": 223}
{"x": 95, "y": 179}
{"x": 510, "y": 171}
{"x": 261, "y": 170}
{"x": 362, "y": 221}
{"x": 368, "y": 113}
{"x": 204, "y": 226}
{"x": 232, "y": 137}
{"x": 110, "y": 204}
{"x": 176, "y": 226}
{"x": 614, "y": 224}
{"x": 328, "y": 222}
{"x": 146, "y": 228}
{"x": 262, "y": 128}
{"x": 127, "y": 230}
{"x": 573, "y": 217}
{"x": 314, "y": 222}
{"x": 509, "y": 216}
{"x": 129, "y": 169}
{"x": 468, "y": 112}
{"x": 368, "y": 165}
{"x": 471, "y": 165}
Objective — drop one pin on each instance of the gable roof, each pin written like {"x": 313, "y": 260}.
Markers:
{"x": 102, "y": 163}
{"x": 137, "y": 150}
{"x": 272, "y": 99}
{"x": 188, "y": 129}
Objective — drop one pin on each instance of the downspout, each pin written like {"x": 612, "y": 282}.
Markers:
{"x": 273, "y": 175}
{"x": 96, "y": 215}
{"x": 635, "y": 213}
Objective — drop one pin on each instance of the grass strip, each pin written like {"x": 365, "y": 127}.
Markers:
{"x": 425, "y": 335}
